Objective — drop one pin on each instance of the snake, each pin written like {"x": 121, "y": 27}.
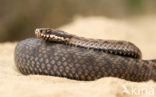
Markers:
{"x": 58, "y": 53}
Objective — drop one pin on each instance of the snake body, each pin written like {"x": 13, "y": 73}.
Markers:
{"x": 58, "y": 58}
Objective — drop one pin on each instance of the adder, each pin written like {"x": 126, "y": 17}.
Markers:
{"x": 58, "y": 53}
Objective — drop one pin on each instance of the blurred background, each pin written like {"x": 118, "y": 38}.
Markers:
{"x": 19, "y": 18}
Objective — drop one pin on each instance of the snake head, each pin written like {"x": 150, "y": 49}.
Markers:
{"x": 52, "y": 35}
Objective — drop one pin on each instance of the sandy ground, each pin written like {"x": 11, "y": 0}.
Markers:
{"x": 139, "y": 30}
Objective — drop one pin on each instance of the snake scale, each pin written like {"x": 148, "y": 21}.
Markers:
{"x": 59, "y": 53}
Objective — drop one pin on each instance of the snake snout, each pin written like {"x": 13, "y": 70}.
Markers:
{"x": 37, "y": 32}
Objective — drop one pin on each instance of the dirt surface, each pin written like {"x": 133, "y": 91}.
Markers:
{"x": 139, "y": 30}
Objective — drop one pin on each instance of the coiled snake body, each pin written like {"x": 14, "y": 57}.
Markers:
{"x": 61, "y": 54}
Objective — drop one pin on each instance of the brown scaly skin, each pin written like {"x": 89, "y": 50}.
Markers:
{"x": 122, "y": 48}
{"x": 36, "y": 56}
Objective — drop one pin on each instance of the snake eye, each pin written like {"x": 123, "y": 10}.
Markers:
{"x": 48, "y": 31}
